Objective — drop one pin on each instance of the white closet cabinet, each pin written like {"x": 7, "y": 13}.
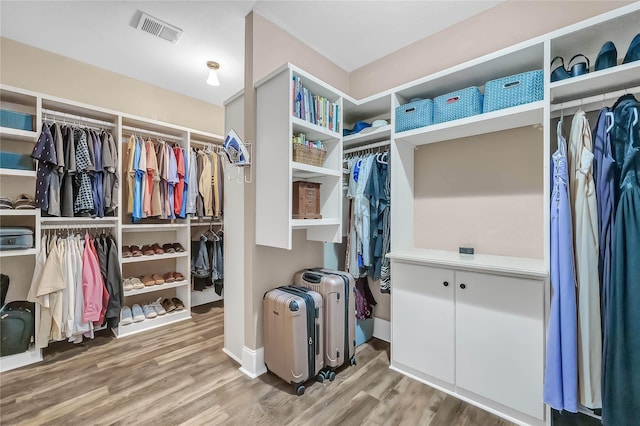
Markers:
{"x": 423, "y": 320}
{"x": 500, "y": 339}
{"x": 276, "y": 170}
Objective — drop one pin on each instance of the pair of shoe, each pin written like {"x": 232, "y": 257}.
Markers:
{"x": 132, "y": 283}
{"x": 152, "y": 279}
{"x": 139, "y": 313}
{"x": 173, "y": 248}
{"x": 173, "y": 304}
{"x": 578, "y": 68}
{"x": 23, "y": 201}
{"x": 608, "y": 56}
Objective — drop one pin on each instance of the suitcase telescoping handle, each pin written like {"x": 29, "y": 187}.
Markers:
{"x": 311, "y": 277}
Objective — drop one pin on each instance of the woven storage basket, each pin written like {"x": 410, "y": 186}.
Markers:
{"x": 308, "y": 154}
{"x": 16, "y": 120}
{"x": 414, "y": 115}
{"x": 458, "y": 104}
{"x": 513, "y": 90}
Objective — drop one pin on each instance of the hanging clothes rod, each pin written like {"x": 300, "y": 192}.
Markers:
{"x": 365, "y": 147}
{"x": 591, "y": 100}
{"x": 78, "y": 119}
{"x": 136, "y": 130}
{"x": 216, "y": 144}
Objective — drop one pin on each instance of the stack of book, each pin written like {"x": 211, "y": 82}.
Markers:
{"x": 314, "y": 108}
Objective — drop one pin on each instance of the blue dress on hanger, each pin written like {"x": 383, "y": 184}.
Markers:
{"x": 561, "y": 373}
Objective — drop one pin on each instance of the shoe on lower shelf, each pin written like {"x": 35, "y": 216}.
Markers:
{"x": 138, "y": 313}
{"x": 136, "y": 283}
{"x": 127, "y": 285}
{"x": 149, "y": 312}
{"x": 126, "y": 317}
{"x": 158, "y": 307}
{"x": 168, "y": 305}
{"x": 178, "y": 304}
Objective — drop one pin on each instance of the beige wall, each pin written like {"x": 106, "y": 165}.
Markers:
{"x": 502, "y": 26}
{"x": 267, "y": 47}
{"x": 42, "y": 71}
{"x": 483, "y": 192}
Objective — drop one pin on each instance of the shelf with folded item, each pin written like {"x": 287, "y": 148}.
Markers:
{"x": 376, "y": 134}
{"x": 595, "y": 83}
{"x": 148, "y": 324}
{"x": 157, "y": 287}
{"x": 16, "y": 172}
{"x": 163, "y": 256}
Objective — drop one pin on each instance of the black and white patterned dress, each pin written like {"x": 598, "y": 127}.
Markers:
{"x": 84, "y": 198}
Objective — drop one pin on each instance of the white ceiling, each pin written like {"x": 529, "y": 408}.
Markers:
{"x": 102, "y": 33}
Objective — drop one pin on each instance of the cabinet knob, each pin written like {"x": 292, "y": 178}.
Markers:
{"x": 463, "y": 286}
{"x": 446, "y": 284}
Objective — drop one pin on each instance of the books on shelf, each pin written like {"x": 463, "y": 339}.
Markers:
{"x": 314, "y": 108}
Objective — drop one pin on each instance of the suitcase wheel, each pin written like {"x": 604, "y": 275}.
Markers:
{"x": 352, "y": 361}
{"x": 332, "y": 375}
{"x": 300, "y": 389}
{"x": 320, "y": 377}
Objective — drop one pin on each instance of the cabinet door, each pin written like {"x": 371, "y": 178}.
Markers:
{"x": 499, "y": 339}
{"x": 422, "y": 320}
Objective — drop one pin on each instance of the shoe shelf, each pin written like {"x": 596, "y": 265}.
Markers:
{"x": 144, "y": 258}
{"x": 20, "y": 173}
{"x": 11, "y": 362}
{"x": 154, "y": 227}
{"x": 12, "y": 253}
{"x": 149, "y": 324}
{"x": 595, "y": 83}
{"x": 157, "y": 287}
{"x": 495, "y": 121}
{"x": 18, "y": 212}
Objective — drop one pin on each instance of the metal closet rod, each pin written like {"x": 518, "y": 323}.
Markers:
{"x": 143, "y": 132}
{"x": 365, "y": 147}
{"x": 78, "y": 118}
{"x": 593, "y": 99}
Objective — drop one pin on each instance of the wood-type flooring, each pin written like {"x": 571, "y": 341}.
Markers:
{"x": 178, "y": 375}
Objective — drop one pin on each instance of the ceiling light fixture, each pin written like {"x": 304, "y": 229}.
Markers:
{"x": 213, "y": 79}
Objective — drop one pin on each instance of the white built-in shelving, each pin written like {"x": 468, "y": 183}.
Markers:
{"x": 155, "y": 288}
{"x": 154, "y": 257}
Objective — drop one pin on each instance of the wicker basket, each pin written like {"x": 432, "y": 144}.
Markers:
{"x": 308, "y": 154}
{"x": 460, "y": 104}
{"x": 513, "y": 90}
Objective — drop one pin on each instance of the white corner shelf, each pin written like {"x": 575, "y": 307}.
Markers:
{"x": 12, "y": 253}
{"x": 18, "y": 134}
{"x": 307, "y": 171}
{"x": 520, "y": 266}
{"x": 144, "y": 258}
{"x": 11, "y": 362}
{"x": 307, "y": 223}
{"x": 312, "y": 131}
{"x": 494, "y": 121}
{"x": 157, "y": 287}
{"x": 594, "y": 83}
{"x": 149, "y": 324}
{"x": 378, "y": 134}
{"x": 20, "y": 173}
{"x": 18, "y": 212}
{"x": 161, "y": 227}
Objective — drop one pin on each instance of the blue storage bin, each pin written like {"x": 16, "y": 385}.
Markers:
{"x": 16, "y": 120}
{"x": 414, "y": 115}
{"x": 364, "y": 330}
{"x": 11, "y": 160}
{"x": 513, "y": 90}
{"x": 458, "y": 104}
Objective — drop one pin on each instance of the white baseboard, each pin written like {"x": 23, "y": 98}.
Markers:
{"x": 382, "y": 329}
{"x": 253, "y": 362}
{"x": 232, "y": 356}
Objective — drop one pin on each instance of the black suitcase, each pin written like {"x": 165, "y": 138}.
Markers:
{"x": 17, "y": 327}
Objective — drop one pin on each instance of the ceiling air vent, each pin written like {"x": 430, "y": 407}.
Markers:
{"x": 158, "y": 28}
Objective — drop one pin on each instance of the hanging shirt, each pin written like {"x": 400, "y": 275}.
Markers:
{"x": 561, "y": 372}
{"x": 173, "y": 180}
{"x": 66, "y": 188}
{"x": 185, "y": 191}
{"x": 92, "y": 285}
{"x": 110, "y": 180}
{"x": 83, "y": 203}
{"x": 163, "y": 172}
{"x": 154, "y": 204}
{"x": 585, "y": 221}
{"x": 204, "y": 183}
{"x": 131, "y": 173}
{"x": 57, "y": 172}
{"x": 45, "y": 152}
{"x": 178, "y": 192}
{"x": 98, "y": 192}
{"x": 193, "y": 183}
